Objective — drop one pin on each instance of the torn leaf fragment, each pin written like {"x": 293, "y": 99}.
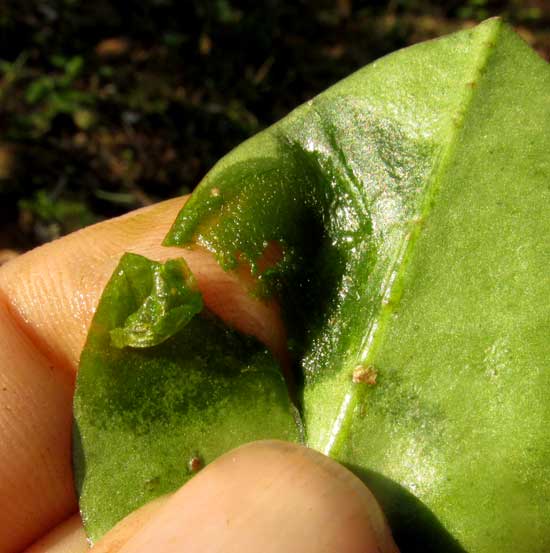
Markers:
{"x": 168, "y": 299}
{"x": 188, "y": 389}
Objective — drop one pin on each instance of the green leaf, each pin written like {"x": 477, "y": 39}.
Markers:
{"x": 146, "y": 416}
{"x": 74, "y": 66}
{"x": 412, "y": 203}
{"x": 39, "y": 89}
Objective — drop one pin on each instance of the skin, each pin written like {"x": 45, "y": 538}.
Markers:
{"x": 238, "y": 503}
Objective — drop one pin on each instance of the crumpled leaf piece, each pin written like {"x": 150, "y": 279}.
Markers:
{"x": 147, "y": 417}
{"x": 173, "y": 300}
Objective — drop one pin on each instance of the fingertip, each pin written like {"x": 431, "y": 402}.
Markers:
{"x": 268, "y": 496}
{"x": 68, "y": 537}
{"x": 114, "y": 540}
{"x": 53, "y": 290}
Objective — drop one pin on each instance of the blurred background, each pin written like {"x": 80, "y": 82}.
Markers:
{"x": 108, "y": 106}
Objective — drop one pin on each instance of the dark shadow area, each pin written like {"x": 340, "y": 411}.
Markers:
{"x": 108, "y": 106}
{"x": 415, "y": 528}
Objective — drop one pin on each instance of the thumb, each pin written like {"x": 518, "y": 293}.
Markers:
{"x": 267, "y": 496}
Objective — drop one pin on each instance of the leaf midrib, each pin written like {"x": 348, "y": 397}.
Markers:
{"x": 393, "y": 289}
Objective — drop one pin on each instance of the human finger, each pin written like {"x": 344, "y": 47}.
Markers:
{"x": 53, "y": 290}
{"x": 47, "y": 300}
{"x": 68, "y": 537}
{"x": 268, "y": 496}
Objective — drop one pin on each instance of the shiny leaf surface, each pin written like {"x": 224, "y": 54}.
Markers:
{"x": 412, "y": 203}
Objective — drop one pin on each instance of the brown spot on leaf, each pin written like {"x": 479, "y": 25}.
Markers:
{"x": 364, "y": 374}
{"x": 195, "y": 464}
